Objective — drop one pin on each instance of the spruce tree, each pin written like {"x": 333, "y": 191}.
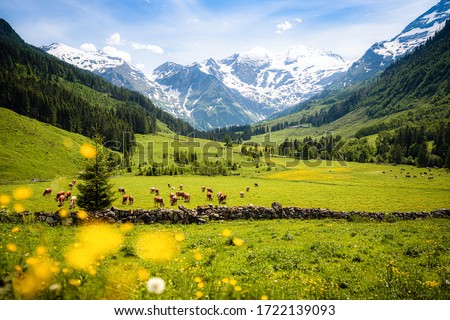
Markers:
{"x": 95, "y": 191}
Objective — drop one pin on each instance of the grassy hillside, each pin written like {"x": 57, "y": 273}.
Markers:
{"x": 31, "y": 149}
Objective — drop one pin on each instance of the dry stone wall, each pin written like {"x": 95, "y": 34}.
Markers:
{"x": 203, "y": 214}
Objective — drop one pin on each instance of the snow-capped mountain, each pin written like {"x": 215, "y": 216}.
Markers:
{"x": 244, "y": 88}
{"x": 382, "y": 54}
{"x": 248, "y": 86}
{"x": 116, "y": 71}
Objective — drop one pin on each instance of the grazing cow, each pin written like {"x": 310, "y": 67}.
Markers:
{"x": 219, "y": 194}
{"x": 209, "y": 190}
{"x": 157, "y": 191}
{"x": 124, "y": 200}
{"x": 181, "y": 187}
{"x": 152, "y": 190}
{"x": 47, "y": 191}
{"x": 203, "y": 188}
{"x": 158, "y": 201}
{"x": 430, "y": 177}
{"x": 130, "y": 199}
{"x": 169, "y": 185}
{"x": 61, "y": 200}
{"x": 73, "y": 201}
{"x": 173, "y": 200}
{"x": 241, "y": 194}
{"x": 256, "y": 184}
{"x": 121, "y": 190}
{"x": 247, "y": 189}
{"x": 181, "y": 194}
{"x": 59, "y": 194}
{"x": 68, "y": 194}
{"x": 222, "y": 198}
{"x": 187, "y": 197}
{"x": 73, "y": 182}
{"x": 71, "y": 185}
{"x": 209, "y": 196}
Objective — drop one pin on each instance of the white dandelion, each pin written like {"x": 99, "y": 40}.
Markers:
{"x": 156, "y": 285}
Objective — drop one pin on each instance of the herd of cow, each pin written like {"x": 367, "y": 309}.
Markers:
{"x": 62, "y": 196}
{"x": 174, "y": 196}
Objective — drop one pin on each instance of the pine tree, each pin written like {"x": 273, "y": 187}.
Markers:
{"x": 95, "y": 192}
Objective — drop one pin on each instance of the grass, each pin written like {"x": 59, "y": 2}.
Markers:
{"x": 31, "y": 149}
{"x": 355, "y": 186}
{"x": 282, "y": 259}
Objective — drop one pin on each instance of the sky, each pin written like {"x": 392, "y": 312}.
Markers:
{"x": 147, "y": 33}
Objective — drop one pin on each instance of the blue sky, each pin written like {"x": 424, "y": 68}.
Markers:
{"x": 148, "y": 33}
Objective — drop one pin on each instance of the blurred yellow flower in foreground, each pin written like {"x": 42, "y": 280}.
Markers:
{"x": 264, "y": 297}
{"x": 143, "y": 274}
{"x": 18, "y": 208}
{"x": 179, "y": 237}
{"x": 156, "y": 246}
{"x": 95, "y": 242}
{"x": 22, "y": 193}
{"x": 199, "y": 294}
{"x": 81, "y": 214}
{"x": 38, "y": 276}
{"x": 11, "y": 247}
{"x": 198, "y": 256}
{"x": 226, "y": 233}
{"x": 88, "y": 151}
{"x": 238, "y": 242}
{"x": 15, "y": 229}
{"x": 5, "y": 199}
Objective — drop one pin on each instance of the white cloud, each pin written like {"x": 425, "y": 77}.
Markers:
{"x": 114, "y": 39}
{"x": 283, "y": 27}
{"x": 87, "y": 47}
{"x": 149, "y": 47}
{"x": 111, "y": 51}
{"x": 286, "y": 25}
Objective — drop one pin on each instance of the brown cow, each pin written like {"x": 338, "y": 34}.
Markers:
{"x": 256, "y": 184}
{"x": 168, "y": 185}
{"x": 173, "y": 200}
{"x": 61, "y": 200}
{"x": 47, "y": 191}
{"x": 181, "y": 187}
{"x": 219, "y": 194}
{"x": 222, "y": 198}
{"x": 210, "y": 190}
{"x": 247, "y": 189}
{"x": 158, "y": 200}
{"x": 70, "y": 185}
{"x": 181, "y": 194}
{"x": 241, "y": 194}
{"x": 187, "y": 197}
{"x": 59, "y": 194}
{"x": 203, "y": 188}
{"x": 152, "y": 190}
{"x": 73, "y": 182}
{"x": 209, "y": 196}
{"x": 130, "y": 199}
{"x": 157, "y": 191}
{"x": 68, "y": 194}
{"x": 124, "y": 200}
{"x": 121, "y": 190}
{"x": 73, "y": 201}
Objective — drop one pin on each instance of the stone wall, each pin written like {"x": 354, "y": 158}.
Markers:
{"x": 203, "y": 214}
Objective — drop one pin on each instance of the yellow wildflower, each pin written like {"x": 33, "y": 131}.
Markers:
{"x": 88, "y": 151}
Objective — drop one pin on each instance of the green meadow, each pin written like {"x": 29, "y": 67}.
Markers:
{"x": 282, "y": 259}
